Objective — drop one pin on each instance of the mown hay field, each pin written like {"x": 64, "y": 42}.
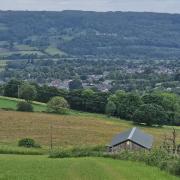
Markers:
{"x": 15, "y": 167}
{"x": 67, "y": 130}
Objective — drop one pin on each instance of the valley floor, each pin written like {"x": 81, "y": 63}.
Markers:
{"x": 14, "y": 167}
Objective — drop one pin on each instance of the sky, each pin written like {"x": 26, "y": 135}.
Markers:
{"x": 168, "y": 6}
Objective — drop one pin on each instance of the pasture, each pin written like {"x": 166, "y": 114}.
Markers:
{"x": 15, "y": 167}
{"x": 2, "y": 65}
{"x": 74, "y": 129}
{"x": 67, "y": 130}
{"x": 9, "y": 53}
{"x": 54, "y": 51}
{"x": 10, "y": 103}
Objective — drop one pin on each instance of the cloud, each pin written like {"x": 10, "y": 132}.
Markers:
{"x": 172, "y": 6}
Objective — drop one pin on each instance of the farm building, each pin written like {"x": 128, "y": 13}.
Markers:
{"x": 133, "y": 139}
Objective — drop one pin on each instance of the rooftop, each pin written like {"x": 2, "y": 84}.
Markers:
{"x": 135, "y": 135}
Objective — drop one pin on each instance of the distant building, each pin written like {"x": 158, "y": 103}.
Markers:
{"x": 60, "y": 84}
{"x": 133, "y": 139}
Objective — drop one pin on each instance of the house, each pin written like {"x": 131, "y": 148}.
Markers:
{"x": 133, "y": 139}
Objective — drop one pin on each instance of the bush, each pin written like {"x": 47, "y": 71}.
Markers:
{"x": 58, "y": 105}
{"x": 156, "y": 157}
{"x": 78, "y": 152}
{"x": 27, "y": 143}
{"x": 24, "y": 106}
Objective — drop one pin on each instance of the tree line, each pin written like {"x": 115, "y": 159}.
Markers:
{"x": 155, "y": 108}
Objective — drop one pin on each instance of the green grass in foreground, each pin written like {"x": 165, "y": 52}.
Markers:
{"x": 42, "y": 168}
{"x": 10, "y": 103}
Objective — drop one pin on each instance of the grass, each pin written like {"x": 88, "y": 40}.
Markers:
{"x": 40, "y": 167}
{"x": 10, "y": 103}
{"x": 10, "y": 149}
{"x": 68, "y": 130}
{"x": 23, "y": 47}
{"x": 74, "y": 129}
{"x": 9, "y": 53}
{"x": 3, "y": 63}
{"x": 53, "y": 51}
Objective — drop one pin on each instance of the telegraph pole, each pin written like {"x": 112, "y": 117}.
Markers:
{"x": 51, "y": 136}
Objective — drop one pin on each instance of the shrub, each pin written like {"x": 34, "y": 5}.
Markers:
{"x": 58, "y": 105}
{"x": 24, "y": 106}
{"x": 156, "y": 157}
{"x": 27, "y": 143}
{"x": 78, "y": 152}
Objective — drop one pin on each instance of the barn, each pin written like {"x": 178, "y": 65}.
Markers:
{"x": 132, "y": 139}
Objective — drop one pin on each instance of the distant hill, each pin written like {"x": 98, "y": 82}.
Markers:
{"x": 126, "y": 35}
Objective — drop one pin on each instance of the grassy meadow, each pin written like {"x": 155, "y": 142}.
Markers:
{"x": 2, "y": 64}
{"x": 15, "y": 167}
{"x": 54, "y": 51}
{"x": 74, "y": 129}
{"x": 68, "y": 130}
{"x": 10, "y": 103}
{"x": 9, "y": 53}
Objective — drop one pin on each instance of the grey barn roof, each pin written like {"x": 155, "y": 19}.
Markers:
{"x": 135, "y": 135}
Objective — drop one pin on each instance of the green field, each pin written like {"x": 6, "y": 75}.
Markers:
{"x": 42, "y": 168}
{"x": 54, "y": 51}
{"x": 10, "y": 103}
{"x": 24, "y": 47}
{"x": 2, "y": 64}
{"x": 74, "y": 129}
{"x": 9, "y": 53}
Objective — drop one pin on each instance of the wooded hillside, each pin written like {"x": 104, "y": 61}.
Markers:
{"x": 110, "y": 34}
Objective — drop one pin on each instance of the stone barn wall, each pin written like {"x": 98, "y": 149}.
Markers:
{"x": 127, "y": 145}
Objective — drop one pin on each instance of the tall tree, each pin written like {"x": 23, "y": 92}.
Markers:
{"x": 110, "y": 108}
{"x": 12, "y": 88}
{"x": 150, "y": 114}
{"x": 28, "y": 92}
{"x": 127, "y": 104}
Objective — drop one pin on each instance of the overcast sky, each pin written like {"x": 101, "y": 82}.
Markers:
{"x": 171, "y": 6}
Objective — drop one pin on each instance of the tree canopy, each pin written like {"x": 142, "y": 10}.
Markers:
{"x": 27, "y": 92}
{"x": 58, "y": 105}
{"x": 150, "y": 114}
